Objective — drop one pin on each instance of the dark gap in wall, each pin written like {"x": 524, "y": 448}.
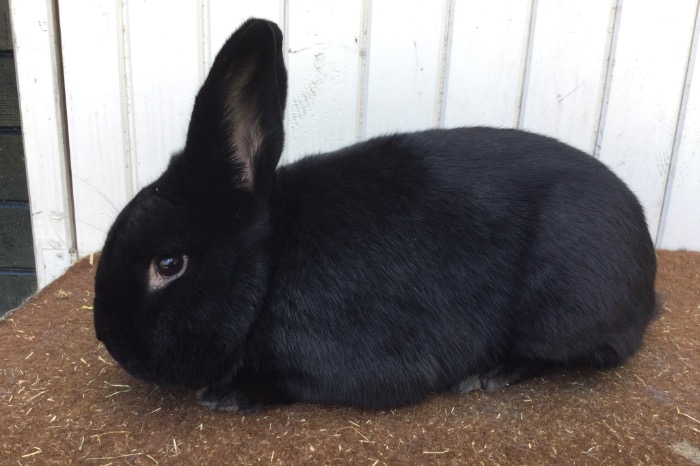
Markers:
{"x": 17, "y": 273}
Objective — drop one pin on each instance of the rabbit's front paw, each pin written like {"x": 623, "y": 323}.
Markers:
{"x": 213, "y": 399}
{"x": 500, "y": 376}
{"x": 218, "y": 399}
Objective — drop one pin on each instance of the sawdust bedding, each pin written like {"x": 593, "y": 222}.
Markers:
{"x": 63, "y": 400}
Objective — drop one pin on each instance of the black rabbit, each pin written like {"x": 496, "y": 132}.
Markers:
{"x": 372, "y": 276}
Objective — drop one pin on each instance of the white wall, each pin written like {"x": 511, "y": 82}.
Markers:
{"x": 616, "y": 79}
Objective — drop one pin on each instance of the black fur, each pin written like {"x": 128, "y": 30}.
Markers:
{"x": 375, "y": 275}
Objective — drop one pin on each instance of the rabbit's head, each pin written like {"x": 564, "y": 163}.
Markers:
{"x": 184, "y": 269}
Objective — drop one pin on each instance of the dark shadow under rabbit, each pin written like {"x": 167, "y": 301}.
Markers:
{"x": 449, "y": 259}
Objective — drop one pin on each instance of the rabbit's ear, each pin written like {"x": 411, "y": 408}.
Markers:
{"x": 236, "y": 134}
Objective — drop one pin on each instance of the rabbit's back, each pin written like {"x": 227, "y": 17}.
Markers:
{"x": 424, "y": 257}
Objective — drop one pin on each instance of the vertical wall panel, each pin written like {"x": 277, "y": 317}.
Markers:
{"x": 93, "y": 74}
{"x": 403, "y": 65}
{"x": 131, "y": 69}
{"x": 568, "y": 66}
{"x": 488, "y": 53}
{"x": 323, "y": 64}
{"x": 162, "y": 81}
{"x": 39, "y": 86}
{"x": 647, "y": 84}
{"x": 681, "y": 227}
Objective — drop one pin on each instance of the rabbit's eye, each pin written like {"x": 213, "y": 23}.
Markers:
{"x": 164, "y": 269}
{"x": 167, "y": 266}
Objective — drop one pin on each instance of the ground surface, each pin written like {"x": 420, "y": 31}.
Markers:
{"x": 63, "y": 400}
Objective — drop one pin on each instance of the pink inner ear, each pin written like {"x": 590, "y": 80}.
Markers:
{"x": 243, "y": 118}
{"x": 246, "y": 141}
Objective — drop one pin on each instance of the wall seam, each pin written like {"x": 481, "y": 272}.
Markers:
{"x": 678, "y": 136}
{"x": 205, "y": 37}
{"x": 607, "y": 84}
{"x": 126, "y": 95}
{"x": 363, "y": 70}
{"x": 65, "y": 143}
{"x": 445, "y": 55}
{"x": 526, "y": 67}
